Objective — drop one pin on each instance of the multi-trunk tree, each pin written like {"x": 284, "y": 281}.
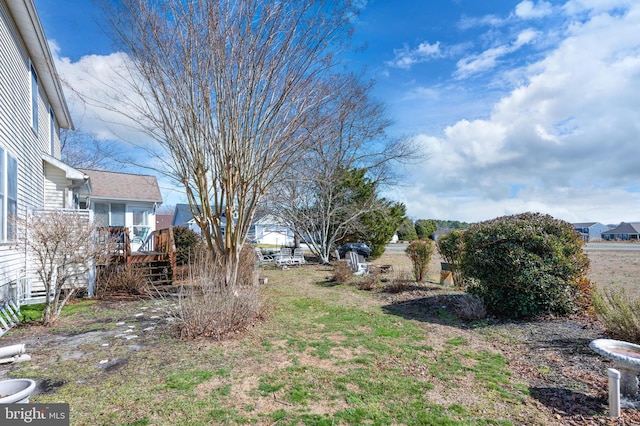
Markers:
{"x": 231, "y": 91}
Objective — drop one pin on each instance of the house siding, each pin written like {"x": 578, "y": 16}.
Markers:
{"x": 17, "y": 136}
{"x": 55, "y": 183}
{"x": 32, "y": 280}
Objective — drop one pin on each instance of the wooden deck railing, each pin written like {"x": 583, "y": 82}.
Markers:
{"x": 156, "y": 250}
{"x": 164, "y": 242}
{"x": 117, "y": 237}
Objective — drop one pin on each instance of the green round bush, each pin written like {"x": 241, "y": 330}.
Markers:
{"x": 186, "y": 241}
{"x": 527, "y": 265}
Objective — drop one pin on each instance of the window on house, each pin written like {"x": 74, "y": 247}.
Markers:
{"x": 110, "y": 214}
{"x": 52, "y": 133}
{"x": 34, "y": 99}
{"x": 117, "y": 215}
{"x": 3, "y": 191}
{"x": 8, "y": 195}
{"x": 140, "y": 222}
{"x": 12, "y": 196}
{"x": 101, "y": 213}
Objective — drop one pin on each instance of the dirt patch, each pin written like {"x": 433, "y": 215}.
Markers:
{"x": 77, "y": 340}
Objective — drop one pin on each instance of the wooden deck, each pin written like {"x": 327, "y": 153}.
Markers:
{"x": 156, "y": 257}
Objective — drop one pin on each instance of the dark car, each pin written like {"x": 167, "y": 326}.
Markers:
{"x": 360, "y": 248}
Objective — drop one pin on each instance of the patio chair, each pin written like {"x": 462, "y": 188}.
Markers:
{"x": 263, "y": 259}
{"x": 298, "y": 257}
{"x": 284, "y": 258}
{"x": 142, "y": 236}
{"x": 357, "y": 263}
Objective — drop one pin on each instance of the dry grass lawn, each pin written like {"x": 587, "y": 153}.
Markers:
{"x": 326, "y": 354}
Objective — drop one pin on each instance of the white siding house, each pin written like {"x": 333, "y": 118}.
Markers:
{"x": 269, "y": 230}
{"x": 32, "y": 112}
{"x": 123, "y": 199}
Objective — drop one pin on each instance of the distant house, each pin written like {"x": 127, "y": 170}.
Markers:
{"x": 624, "y": 231}
{"x": 590, "y": 230}
{"x": 268, "y": 229}
{"x": 33, "y": 109}
{"x": 123, "y": 199}
{"x": 163, "y": 221}
{"x": 183, "y": 217}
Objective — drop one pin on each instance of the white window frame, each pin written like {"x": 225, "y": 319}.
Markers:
{"x": 110, "y": 212}
{"x": 139, "y": 228}
{"x": 34, "y": 98}
{"x": 8, "y": 195}
{"x": 52, "y": 132}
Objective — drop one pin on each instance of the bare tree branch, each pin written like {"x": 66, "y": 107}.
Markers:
{"x": 229, "y": 89}
{"x": 348, "y": 134}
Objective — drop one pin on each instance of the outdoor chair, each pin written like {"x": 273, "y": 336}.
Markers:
{"x": 284, "y": 258}
{"x": 357, "y": 263}
{"x": 263, "y": 259}
{"x": 298, "y": 257}
{"x": 141, "y": 238}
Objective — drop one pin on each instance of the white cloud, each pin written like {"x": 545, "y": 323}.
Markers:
{"x": 95, "y": 89}
{"x": 590, "y": 7}
{"x": 487, "y": 60}
{"x": 422, "y": 93}
{"x": 406, "y": 57}
{"x": 564, "y": 142}
{"x": 466, "y": 22}
{"x": 530, "y": 10}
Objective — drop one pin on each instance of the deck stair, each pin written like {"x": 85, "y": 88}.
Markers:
{"x": 156, "y": 257}
{"x": 156, "y": 267}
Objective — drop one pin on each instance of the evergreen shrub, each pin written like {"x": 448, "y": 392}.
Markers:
{"x": 527, "y": 265}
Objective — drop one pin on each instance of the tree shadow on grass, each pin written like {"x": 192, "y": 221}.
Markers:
{"x": 566, "y": 402}
{"x": 327, "y": 283}
{"x": 432, "y": 309}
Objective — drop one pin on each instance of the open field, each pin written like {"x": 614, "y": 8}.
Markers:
{"x": 327, "y": 354}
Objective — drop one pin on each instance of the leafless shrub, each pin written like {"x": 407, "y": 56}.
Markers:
{"x": 368, "y": 282}
{"x": 619, "y": 312}
{"x": 119, "y": 279}
{"x": 62, "y": 247}
{"x": 208, "y": 307}
{"x": 342, "y": 273}
{"x": 402, "y": 280}
{"x": 469, "y": 307}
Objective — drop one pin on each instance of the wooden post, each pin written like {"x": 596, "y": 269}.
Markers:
{"x": 446, "y": 277}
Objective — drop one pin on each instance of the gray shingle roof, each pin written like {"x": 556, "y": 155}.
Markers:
{"x": 624, "y": 228}
{"x": 124, "y": 186}
{"x": 584, "y": 225}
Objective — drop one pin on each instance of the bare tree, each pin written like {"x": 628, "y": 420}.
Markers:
{"x": 63, "y": 247}
{"x": 228, "y": 88}
{"x": 82, "y": 150}
{"x": 326, "y": 193}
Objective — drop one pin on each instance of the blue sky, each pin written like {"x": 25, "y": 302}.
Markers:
{"x": 527, "y": 105}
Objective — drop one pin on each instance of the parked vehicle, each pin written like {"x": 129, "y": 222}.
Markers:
{"x": 360, "y": 248}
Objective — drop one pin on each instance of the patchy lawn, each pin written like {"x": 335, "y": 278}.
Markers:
{"x": 328, "y": 354}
